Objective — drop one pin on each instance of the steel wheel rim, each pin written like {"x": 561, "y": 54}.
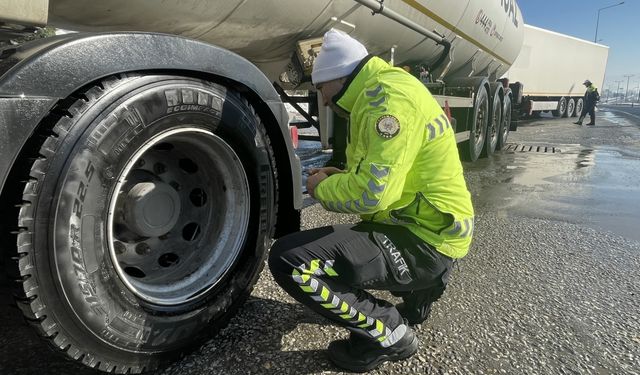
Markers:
{"x": 481, "y": 125}
{"x": 571, "y": 106}
{"x": 506, "y": 122}
{"x": 210, "y": 229}
{"x": 563, "y": 106}
{"x": 497, "y": 120}
{"x": 579, "y": 106}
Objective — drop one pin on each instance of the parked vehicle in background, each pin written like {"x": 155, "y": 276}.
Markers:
{"x": 552, "y": 68}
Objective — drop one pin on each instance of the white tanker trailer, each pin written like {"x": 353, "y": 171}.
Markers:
{"x": 146, "y": 163}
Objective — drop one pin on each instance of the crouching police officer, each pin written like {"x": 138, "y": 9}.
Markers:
{"x": 404, "y": 178}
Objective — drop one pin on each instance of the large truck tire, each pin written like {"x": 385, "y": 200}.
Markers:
{"x": 471, "y": 149}
{"x": 579, "y": 107}
{"x": 145, "y": 222}
{"x": 571, "y": 107}
{"x": 505, "y": 124}
{"x": 493, "y": 126}
{"x": 562, "y": 108}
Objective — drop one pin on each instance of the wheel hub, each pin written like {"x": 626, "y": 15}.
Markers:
{"x": 179, "y": 216}
{"x": 152, "y": 208}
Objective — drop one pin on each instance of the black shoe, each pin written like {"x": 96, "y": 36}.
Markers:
{"x": 578, "y": 123}
{"x": 592, "y": 124}
{"x": 412, "y": 315}
{"x": 360, "y": 354}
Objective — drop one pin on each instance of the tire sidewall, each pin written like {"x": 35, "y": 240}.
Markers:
{"x": 86, "y": 168}
{"x": 505, "y": 125}
{"x": 495, "y": 121}
{"x": 481, "y": 99}
{"x": 579, "y": 107}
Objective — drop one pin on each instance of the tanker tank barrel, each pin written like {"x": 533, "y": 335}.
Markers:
{"x": 378, "y": 8}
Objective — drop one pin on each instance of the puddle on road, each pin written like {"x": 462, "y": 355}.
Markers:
{"x": 592, "y": 186}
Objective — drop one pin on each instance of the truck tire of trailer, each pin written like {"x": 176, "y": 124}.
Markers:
{"x": 579, "y": 107}
{"x": 149, "y": 202}
{"x": 475, "y": 119}
{"x": 505, "y": 125}
{"x": 562, "y": 108}
{"x": 571, "y": 107}
{"x": 494, "y": 124}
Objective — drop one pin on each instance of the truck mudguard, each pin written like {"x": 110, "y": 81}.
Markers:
{"x": 34, "y": 76}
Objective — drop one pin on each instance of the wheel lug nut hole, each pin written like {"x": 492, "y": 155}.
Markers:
{"x": 135, "y": 272}
{"x": 198, "y": 197}
{"x": 191, "y": 231}
{"x": 119, "y": 247}
{"x": 168, "y": 260}
{"x": 143, "y": 249}
{"x": 188, "y": 165}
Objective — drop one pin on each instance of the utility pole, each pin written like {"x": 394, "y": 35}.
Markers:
{"x": 627, "y": 91}
{"x": 617, "y": 95}
{"x": 595, "y": 40}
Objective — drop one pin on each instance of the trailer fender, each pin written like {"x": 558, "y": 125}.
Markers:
{"x": 35, "y": 76}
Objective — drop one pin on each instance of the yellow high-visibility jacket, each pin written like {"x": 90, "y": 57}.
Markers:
{"x": 403, "y": 166}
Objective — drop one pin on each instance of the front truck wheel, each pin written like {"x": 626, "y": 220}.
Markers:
{"x": 144, "y": 225}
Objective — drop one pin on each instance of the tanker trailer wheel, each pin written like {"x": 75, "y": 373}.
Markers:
{"x": 145, "y": 221}
{"x": 470, "y": 150}
{"x": 562, "y": 108}
{"x": 505, "y": 124}
{"x": 571, "y": 107}
{"x": 493, "y": 126}
{"x": 579, "y": 107}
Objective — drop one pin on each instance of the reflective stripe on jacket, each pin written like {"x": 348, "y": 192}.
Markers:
{"x": 591, "y": 96}
{"x": 402, "y": 160}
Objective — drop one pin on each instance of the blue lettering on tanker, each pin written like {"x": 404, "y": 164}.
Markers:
{"x": 511, "y": 9}
{"x": 488, "y": 25}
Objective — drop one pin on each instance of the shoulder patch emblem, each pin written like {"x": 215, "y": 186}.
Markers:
{"x": 387, "y": 126}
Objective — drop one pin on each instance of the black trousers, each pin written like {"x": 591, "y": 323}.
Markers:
{"x": 591, "y": 111}
{"x": 329, "y": 269}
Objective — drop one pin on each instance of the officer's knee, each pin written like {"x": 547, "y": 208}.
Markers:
{"x": 277, "y": 263}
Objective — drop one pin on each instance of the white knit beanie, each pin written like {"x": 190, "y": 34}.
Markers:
{"x": 338, "y": 57}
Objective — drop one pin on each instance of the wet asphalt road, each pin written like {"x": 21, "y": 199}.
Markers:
{"x": 550, "y": 286}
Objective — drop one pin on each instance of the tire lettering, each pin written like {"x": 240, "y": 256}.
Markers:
{"x": 172, "y": 97}
{"x": 88, "y": 172}
{"x": 82, "y": 191}
{"x": 101, "y": 130}
{"x": 87, "y": 288}
{"x": 77, "y": 207}
{"x": 135, "y": 121}
{"x": 192, "y": 101}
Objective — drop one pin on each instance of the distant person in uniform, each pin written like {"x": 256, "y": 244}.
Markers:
{"x": 404, "y": 178}
{"x": 591, "y": 97}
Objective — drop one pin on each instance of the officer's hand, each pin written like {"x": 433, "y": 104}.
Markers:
{"x": 313, "y": 181}
{"x": 326, "y": 170}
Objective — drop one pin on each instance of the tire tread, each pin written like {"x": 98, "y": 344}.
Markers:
{"x": 25, "y": 285}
